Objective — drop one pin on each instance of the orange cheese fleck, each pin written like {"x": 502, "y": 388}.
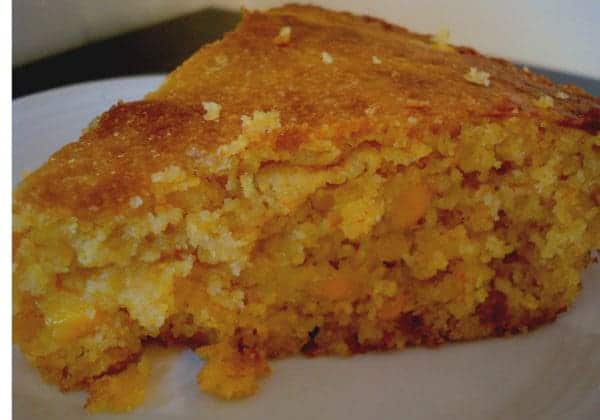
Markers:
{"x": 391, "y": 309}
{"x": 410, "y": 204}
{"x": 337, "y": 288}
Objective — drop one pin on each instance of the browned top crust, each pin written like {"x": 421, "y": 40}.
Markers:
{"x": 338, "y": 76}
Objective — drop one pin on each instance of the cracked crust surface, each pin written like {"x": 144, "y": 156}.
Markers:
{"x": 248, "y": 71}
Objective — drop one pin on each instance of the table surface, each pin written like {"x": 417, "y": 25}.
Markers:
{"x": 159, "y": 49}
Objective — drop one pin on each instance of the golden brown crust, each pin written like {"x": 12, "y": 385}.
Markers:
{"x": 113, "y": 160}
{"x": 247, "y": 71}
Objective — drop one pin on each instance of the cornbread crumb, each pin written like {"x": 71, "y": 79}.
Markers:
{"x": 90, "y": 313}
{"x": 229, "y": 374}
{"x": 237, "y": 298}
{"x": 260, "y": 122}
{"x": 214, "y": 288}
{"x": 194, "y": 152}
{"x": 283, "y": 37}
{"x": 544, "y": 101}
{"x": 235, "y": 268}
{"x": 440, "y": 40}
{"x": 412, "y": 120}
{"x": 221, "y": 60}
{"x": 562, "y": 95}
{"x": 370, "y": 110}
{"x": 478, "y": 77}
{"x": 526, "y": 69}
{"x": 136, "y": 201}
{"x": 375, "y": 60}
{"x": 171, "y": 174}
{"x": 121, "y": 392}
{"x": 212, "y": 111}
{"x": 326, "y": 57}
{"x": 441, "y": 37}
{"x": 217, "y": 64}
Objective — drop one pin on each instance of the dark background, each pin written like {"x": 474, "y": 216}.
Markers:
{"x": 159, "y": 49}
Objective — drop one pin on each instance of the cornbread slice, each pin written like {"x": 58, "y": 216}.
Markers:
{"x": 316, "y": 183}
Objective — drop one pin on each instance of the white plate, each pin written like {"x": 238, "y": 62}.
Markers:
{"x": 552, "y": 373}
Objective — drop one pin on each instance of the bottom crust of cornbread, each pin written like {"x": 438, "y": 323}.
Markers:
{"x": 387, "y": 191}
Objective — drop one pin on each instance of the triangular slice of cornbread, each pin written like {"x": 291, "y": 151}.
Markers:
{"x": 315, "y": 182}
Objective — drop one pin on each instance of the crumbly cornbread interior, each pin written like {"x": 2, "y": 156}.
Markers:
{"x": 332, "y": 188}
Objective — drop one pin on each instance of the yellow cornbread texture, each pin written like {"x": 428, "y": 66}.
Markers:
{"x": 325, "y": 208}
